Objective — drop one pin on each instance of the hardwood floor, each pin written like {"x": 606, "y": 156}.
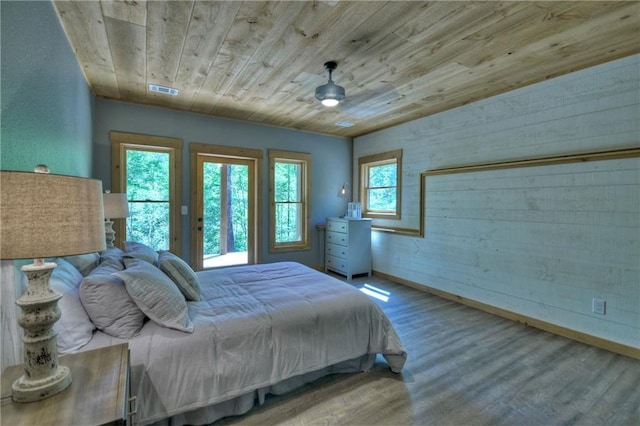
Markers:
{"x": 466, "y": 367}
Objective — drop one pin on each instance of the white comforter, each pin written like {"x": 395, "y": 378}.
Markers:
{"x": 255, "y": 326}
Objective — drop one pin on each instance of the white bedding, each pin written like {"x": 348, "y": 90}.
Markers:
{"x": 255, "y": 326}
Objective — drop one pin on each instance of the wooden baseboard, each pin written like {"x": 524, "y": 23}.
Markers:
{"x": 598, "y": 342}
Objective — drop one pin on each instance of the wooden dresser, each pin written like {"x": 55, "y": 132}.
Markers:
{"x": 98, "y": 394}
{"x": 348, "y": 246}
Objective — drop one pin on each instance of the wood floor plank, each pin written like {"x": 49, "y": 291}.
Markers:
{"x": 466, "y": 367}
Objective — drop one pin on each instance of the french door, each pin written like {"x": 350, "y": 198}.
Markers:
{"x": 225, "y": 211}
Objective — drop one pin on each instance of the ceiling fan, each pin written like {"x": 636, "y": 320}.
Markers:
{"x": 330, "y": 94}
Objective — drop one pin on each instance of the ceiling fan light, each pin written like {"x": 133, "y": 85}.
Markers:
{"x": 330, "y": 102}
{"x": 330, "y": 94}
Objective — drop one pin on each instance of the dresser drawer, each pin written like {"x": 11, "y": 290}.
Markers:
{"x": 336, "y": 238}
{"x": 337, "y": 250}
{"x": 337, "y": 264}
{"x": 336, "y": 226}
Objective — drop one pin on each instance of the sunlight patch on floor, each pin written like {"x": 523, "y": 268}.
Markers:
{"x": 376, "y": 292}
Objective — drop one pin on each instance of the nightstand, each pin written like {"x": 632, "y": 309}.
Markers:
{"x": 98, "y": 395}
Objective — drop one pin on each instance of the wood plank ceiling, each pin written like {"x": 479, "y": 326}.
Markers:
{"x": 397, "y": 60}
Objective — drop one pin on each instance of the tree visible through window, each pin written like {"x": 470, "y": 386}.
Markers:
{"x": 290, "y": 194}
{"x": 380, "y": 185}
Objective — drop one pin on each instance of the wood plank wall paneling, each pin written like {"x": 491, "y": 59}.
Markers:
{"x": 540, "y": 241}
{"x": 567, "y": 221}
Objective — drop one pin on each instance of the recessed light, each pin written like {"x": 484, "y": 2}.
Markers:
{"x": 163, "y": 89}
{"x": 344, "y": 124}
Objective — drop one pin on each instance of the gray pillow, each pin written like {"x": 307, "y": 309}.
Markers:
{"x": 156, "y": 295}
{"x": 112, "y": 253}
{"x": 140, "y": 251}
{"x": 181, "y": 274}
{"x": 107, "y": 302}
{"x": 74, "y": 327}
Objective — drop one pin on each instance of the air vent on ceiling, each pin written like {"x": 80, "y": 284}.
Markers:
{"x": 163, "y": 89}
{"x": 344, "y": 124}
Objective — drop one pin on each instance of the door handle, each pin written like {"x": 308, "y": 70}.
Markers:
{"x": 199, "y": 219}
{"x": 199, "y": 228}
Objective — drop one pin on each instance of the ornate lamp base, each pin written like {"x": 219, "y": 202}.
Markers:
{"x": 34, "y": 390}
{"x": 109, "y": 233}
{"x": 39, "y": 311}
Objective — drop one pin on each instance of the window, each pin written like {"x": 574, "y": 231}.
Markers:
{"x": 147, "y": 169}
{"x": 380, "y": 184}
{"x": 290, "y": 193}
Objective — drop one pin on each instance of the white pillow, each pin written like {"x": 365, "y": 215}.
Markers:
{"x": 181, "y": 274}
{"x": 107, "y": 302}
{"x": 156, "y": 295}
{"x": 74, "y": 327}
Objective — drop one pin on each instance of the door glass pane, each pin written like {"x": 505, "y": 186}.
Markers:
{"x": 238, "y": 206}
{"x": 225, "y": 198}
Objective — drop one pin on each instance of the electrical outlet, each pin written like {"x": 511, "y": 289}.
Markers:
{"x": 599, "y": 306}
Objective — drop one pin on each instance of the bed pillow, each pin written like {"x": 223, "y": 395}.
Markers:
{"x": 112, "y": 253}
{"x": 156, "y": 295}
{"x": 84, "y": 263}
{"x": 107, "y": 302}
{"x": 181, "y": 274}
{"x": 74, "y": 327}
{"x": 140, "y": 251}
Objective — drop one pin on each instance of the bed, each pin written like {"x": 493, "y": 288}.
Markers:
{"x": 255, "y": 330}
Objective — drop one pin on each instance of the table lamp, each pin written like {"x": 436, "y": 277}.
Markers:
{"x": 44, "y": 215}
{"x": 116, "y": 206}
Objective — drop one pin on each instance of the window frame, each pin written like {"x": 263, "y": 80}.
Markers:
{"x": 364, "y": 165}
{"x": 120, "y": 144}
{"x": 304, "y": 160}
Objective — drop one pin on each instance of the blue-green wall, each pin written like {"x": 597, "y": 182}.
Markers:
{"x": 47, "y": 106}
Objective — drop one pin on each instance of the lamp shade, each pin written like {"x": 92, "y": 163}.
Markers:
{"x": 116, "y": 206}
{"x": 45, "y": 215}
